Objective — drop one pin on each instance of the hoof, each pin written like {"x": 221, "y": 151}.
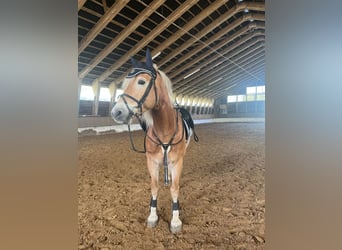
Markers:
{"x": 176, "y": 225}
{"x": 176, "y": 228}
{"x": 152, "y": 224}
{"x": 152, "y": 221}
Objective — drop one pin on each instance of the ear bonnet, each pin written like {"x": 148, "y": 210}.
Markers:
{"x": 142, "y": 67}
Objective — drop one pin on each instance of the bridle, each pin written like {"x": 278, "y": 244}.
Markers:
{"x": 139, "y": 106}
{"x": 142, "y": 100}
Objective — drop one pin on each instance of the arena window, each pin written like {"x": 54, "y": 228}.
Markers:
{"x": 255, "y": 93}
{"x": 231, "y": 98}
{"x": 241, "y": 98}
{"x": 104, "y": 95}
{"x": 87, "y": 93}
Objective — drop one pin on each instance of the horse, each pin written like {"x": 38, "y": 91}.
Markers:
{"x": 148, "y": 97}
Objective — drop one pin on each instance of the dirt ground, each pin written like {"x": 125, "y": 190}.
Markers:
{"x": 222, "y": 192}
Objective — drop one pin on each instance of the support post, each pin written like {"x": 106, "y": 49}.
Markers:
{"x": 112, "y": 91}
{"x": 96, "y": 90}
{"x": 79, "y": 97}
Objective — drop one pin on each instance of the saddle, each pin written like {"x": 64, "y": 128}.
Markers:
{"x": 188, "y": 123}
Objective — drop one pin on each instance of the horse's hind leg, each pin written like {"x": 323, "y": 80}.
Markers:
{"x": 153, "y": 168}
{"x": 176, "y": 223}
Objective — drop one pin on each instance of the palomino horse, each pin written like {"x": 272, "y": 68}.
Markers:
{"x": 148, "y": 97}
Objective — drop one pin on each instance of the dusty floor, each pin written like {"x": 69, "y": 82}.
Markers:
{"x": 222, "y": 195}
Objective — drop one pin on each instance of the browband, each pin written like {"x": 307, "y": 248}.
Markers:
{"x": 137, "y": 71}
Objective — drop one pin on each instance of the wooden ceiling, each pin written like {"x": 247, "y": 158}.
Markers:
{"x": 222, "y": 41}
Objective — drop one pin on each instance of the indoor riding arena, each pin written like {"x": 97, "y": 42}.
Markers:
{"x": 213, "y": 53}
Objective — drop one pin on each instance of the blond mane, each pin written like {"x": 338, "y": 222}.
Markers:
{"x": 147, "y": 116}
{"x": 168, "y": 85}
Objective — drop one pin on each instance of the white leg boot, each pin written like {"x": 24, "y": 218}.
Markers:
{"x": 152, "y": 219}
{"x": 176, "y": 223}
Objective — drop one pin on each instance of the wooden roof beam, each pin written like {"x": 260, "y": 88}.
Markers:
{"x": 226, "y": 71}
{"x": 225, "y": 90}
{"x": 188, "y": 26}
{"x": 240, "y": 52}
{"x": 212, "y": 39}
{"x": 80, "y": 4}
{"x": 230, "y": 74}
{"x": 213, "y": 71}
{"x": 101, "y": 24}
{"x": 223, "y": 67}
{"x": 252, "y": 66}
{"x": 122, "y": 36}
{"x": 206, "y": 62}
{"x": 147, "y": 39}
{"x": 105, "y": 6}
{"x": 233, "y": 84}
{"x": 236, "y": 9}
{"x": 217, "y": 46}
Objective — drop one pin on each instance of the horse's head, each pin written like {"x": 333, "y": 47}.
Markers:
{"x": 140, "y": 93}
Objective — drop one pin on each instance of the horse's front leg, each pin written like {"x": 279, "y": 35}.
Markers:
{"x": 176, "y": 223}
{"x": 153, "y": 168}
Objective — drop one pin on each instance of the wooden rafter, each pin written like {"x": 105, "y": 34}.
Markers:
{"x": 105, "y": 6}
{"x": 155, "y": 32}
{"x": 211, "y": 69}
{"x": 193, "y": 22}
{"x": 101, "y": 24}
{"x": 214, "y": 35}
{"x": 211, "y": 27}
{"x": 233, "y": 72}
{"x": 205, "y": 31}
{"x": 223, "y": 90}
{"x": 122, "y": 36}
{"x": 227, "y": 69}
{"x": 81, "y": 3}
{"x": 225, "y": 31}
{"x": 227, "y": 53}
{"x": 188, "y": 26}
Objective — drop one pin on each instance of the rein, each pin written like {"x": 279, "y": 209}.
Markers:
{"x": 139, "y": 103}
{"x": 132, "y": 140}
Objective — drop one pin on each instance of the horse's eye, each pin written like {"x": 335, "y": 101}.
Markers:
{"x": 141, "y": 82}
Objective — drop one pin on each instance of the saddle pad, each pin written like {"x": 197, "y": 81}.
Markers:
{"x": 188, "y": 123}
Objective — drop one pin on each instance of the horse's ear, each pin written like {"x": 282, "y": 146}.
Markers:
{"x": 149, "y": 62}
{"x": 134, "y": 63}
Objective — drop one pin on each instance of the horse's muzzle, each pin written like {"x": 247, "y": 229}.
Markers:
{"x": 120, "y": 113}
